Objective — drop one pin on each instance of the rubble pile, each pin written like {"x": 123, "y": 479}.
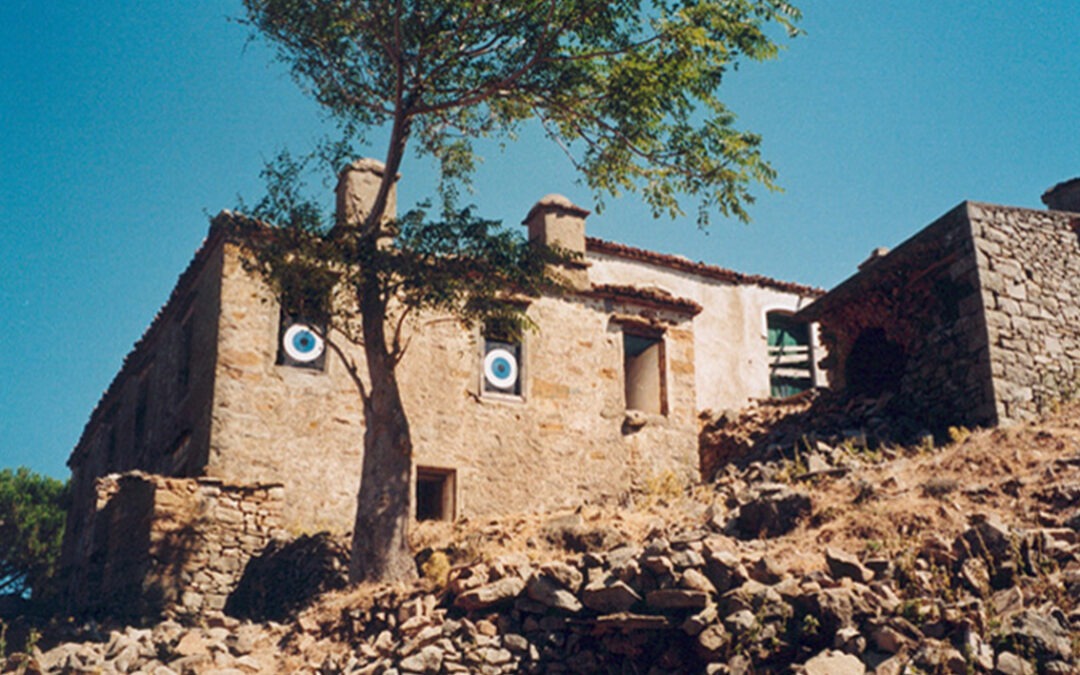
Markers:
{"x": 837, "y": 559}
{"x": 774, "y": 429}
{"x": 989, "y": 601}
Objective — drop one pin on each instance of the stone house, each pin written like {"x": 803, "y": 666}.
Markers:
{"x": 253, "y": 420}
{"x": 975, "y": 320}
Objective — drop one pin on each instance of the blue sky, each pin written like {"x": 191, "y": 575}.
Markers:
{"x": 125, "y": 124}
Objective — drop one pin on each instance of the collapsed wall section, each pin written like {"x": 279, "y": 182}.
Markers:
{"x": 169, "y": 546}
{"x": 1029, "y": 264}
{"x": 910, "y": 325}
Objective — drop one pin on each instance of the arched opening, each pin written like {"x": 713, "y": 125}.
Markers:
{"x": 875, "y": 364}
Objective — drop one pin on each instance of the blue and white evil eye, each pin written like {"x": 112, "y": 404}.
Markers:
{"x": 500, "y": 368}
{"x": 302, "y": 344}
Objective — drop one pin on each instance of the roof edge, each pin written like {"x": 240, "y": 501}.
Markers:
{"x": 595, "y": 245}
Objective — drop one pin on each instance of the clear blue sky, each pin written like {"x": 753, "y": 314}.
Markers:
{"x": 125, "y": 124}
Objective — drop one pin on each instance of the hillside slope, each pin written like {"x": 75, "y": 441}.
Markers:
{"x": 821, "y": 557}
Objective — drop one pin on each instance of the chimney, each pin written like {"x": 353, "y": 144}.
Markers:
{"x": 1064, "y": 196}
{"x": 556, "y": 221}
{"x": 875, "y": 255}
{"x": 358, "y": 184}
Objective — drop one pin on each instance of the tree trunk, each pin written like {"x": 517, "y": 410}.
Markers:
{"x": 380, "y": 546}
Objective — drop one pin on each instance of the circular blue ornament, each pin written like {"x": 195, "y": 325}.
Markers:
{"x": 302, "y": 343}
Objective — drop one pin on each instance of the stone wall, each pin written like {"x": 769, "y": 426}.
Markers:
{"x": 924, "y": 299}
{"x": 155, "y": 415}
{"x": 565, "y": 440}
{"x": 169, "y": 546}
{"x": 1029, "y": 264}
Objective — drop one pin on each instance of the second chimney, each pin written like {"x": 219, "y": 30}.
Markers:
{"x": 556, "y": 221}
{"x": 1063, "y": 196}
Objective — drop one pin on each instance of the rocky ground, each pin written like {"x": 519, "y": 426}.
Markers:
{"x": 828, "y": 551}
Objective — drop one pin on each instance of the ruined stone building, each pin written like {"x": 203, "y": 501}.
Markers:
{"x": 975, "y": 320}
{"x": 230, "y": 422}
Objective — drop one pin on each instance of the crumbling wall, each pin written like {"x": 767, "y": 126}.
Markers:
{"x": 1029, "y": 265}
{"x": 170, "y": 546}
{"x": 924, "y": 299}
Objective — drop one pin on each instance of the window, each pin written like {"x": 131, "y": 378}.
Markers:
{"x": 790, "y": 369}
{"x": 501, "y": 363}
{"x": 643, "y": 367}
{"x": 142, "y": 406}
{"x": 435, "y": 490}
{"x": 187, "y": 339}
{"x": 301, "y": 344}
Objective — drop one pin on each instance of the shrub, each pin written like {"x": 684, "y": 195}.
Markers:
{"x": 32, "y": 513}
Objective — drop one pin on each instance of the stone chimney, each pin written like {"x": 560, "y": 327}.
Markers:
{"x": 358, "y": 184}
{"x": 556, "y": 221}
{"x": 875, "y": 255}
{"x": 1063, "y": 196}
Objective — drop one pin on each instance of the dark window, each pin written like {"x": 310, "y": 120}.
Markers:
{"x": 643, "y": 368}
{"x": 112, "y": 440}
{"x": 501, "y": 362}
{"x": 301, "y": 343}
{"x": 142, "y": 410}
{"x": 187, "y": 339}
{"x": 790, "y": 370}
{"x": 435, "y": 493}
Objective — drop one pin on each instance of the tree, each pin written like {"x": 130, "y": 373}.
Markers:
{"x": 32, "y": 513}
{"x": 628, "y": 88}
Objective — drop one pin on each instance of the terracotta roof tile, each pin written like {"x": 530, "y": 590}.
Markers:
{"x": 594, "y": 245}
{"x": 649, "y": 296}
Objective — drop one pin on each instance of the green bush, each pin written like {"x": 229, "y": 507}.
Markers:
{"x": 32, "y": 513}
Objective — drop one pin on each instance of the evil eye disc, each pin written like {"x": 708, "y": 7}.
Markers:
{"x": 302, "y": 344}
{"x": 500, "y": 368}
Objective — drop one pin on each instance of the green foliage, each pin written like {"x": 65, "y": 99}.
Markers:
{"x": 628, "y": 88}
{"x": 32, "y": 513}
{"x": 471, "y": 268}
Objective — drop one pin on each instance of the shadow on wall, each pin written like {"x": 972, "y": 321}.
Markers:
{"x": 136, "y": 568}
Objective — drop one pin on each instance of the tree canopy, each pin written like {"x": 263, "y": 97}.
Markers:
{"x": 629, "y": 88}
{"x": 33, "y": 509}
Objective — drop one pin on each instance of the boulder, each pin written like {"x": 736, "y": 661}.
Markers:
{"x": 773, "y": 509}
{"x": 724, "y": 570}
{"x": 502, "y": 591}
{"x": 676, "y": 599}
{"x": 843, "y": 565}
{"x": 1037, "y": 635}
{"x": 609, "y": 595}
{"x": 548, "y": 592}
{"x": 832, "y": 662}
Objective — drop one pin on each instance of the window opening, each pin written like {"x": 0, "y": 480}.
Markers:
{"x": 435, "y": 493}
{"x": 301, "y": 344}
{"x": 142, "y": 406}
{"x": 187, "y": 338}
{"x": 790, "y": 368}
{"x": 643, "y": 367}
{"x": 502, "y": 365}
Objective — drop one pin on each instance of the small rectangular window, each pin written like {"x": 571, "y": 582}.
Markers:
{"x": 501, "y": 359}
{"x": 435, "y": 489}
{"x": 187, "y": 340}
{"x": 142, "y": 411}
{"x": 643, "y": 368}
{"x": 301, "y": 343}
